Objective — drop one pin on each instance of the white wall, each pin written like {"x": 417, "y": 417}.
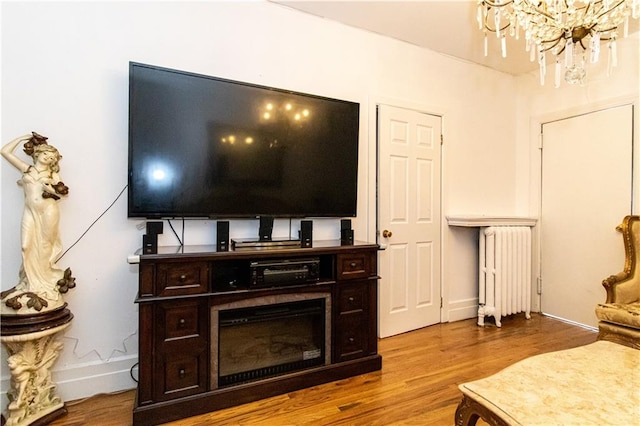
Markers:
{"x": 65, "y": 75}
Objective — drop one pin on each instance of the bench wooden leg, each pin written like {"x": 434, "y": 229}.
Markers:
{"x": 469, "y": 411}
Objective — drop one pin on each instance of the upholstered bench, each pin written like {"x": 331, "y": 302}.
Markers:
{"x": 596, "y": 384}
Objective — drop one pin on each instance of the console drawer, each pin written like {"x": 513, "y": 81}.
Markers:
{"x": 180, "y": 321}
{"x": 354, "y": 265}
{"x": 352, "y": 298}
{"x": 174, "y": 279}
{"x": 182, "y": 374}
{"x": 351, "y": 336}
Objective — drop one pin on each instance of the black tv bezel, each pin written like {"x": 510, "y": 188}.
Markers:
{"x": 214, "y": 215}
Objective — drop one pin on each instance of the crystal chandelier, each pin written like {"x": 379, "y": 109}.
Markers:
{"x": 572, "y": 30}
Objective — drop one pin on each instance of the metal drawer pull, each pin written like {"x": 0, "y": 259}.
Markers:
{"x": 183, "y": 277}
{"x": 182, "y": 322}
{"x": 353, "y": 264}
{"x": 181, "y": 373}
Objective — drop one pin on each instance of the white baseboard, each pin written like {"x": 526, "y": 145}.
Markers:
{"x": 588, "y": 327}
{"x": 463, "y": 309}
{"x": 82, "y": 381}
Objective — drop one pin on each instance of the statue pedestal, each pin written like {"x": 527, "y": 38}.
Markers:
{"x": 32, "y": 346}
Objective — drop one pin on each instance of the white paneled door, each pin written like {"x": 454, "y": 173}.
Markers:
{"x": 586, "y": 191}
{"x": 409, "y": 146}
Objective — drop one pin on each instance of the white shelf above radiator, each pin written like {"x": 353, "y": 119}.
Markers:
{"x": 475, "y": 221}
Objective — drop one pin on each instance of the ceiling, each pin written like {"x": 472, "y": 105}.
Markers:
{"x": 448, "y": 27}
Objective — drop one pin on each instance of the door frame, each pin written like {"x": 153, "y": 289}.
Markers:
{"x": 372, "y": 163}
{"x": 535, "y": 177}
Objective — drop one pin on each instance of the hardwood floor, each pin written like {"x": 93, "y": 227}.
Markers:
{"x": 417, "y": 384}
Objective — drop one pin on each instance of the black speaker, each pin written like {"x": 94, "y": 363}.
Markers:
{"x": 346, "y": 233}
{"x": 154, "y": 228}
{"x": 222, "y": 235}
{"x": 346, "y": 237}
{"x": 266, "y": 228}
{"x": 306, "y": 233}
{"x": 150, "y": 244}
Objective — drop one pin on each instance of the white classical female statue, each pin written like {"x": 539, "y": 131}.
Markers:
{"x": 40, "y": 279}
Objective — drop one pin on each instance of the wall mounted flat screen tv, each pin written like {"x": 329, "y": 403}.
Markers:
{"x": 202, "y": 146}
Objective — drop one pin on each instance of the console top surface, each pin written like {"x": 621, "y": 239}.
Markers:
{"x": 207, "y": 250}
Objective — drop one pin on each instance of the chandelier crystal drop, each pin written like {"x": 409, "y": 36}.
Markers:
{"x": 574, "y": 31}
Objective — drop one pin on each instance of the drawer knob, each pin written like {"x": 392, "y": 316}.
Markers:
{"x": 351, "y": 339}
{"x": 183, "y": 277}
{"x": 181, "y": 373}
{"x": 351, "y": 299}
{"x": 353, "y": 264}
{"x": 182, "y": 322}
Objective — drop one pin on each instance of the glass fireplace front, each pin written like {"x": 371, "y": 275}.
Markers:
{"x": 269, "y": 337}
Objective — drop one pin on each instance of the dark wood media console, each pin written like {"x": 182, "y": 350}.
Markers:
{"x": 186, "y": 294}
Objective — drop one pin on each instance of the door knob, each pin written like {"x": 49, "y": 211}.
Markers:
{"x": 387, "y": 234}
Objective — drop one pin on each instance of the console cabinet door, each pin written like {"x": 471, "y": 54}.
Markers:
{"x": 181, "y": 344}
{"x": 354, "y": 336}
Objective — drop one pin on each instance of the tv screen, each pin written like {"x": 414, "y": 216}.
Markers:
{"x": 202, "y": 146}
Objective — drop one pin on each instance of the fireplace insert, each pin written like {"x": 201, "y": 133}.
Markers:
{"x": 271, "y": 338}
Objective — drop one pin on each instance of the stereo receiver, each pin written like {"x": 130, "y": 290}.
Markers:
{"x": 277, "y": 273}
